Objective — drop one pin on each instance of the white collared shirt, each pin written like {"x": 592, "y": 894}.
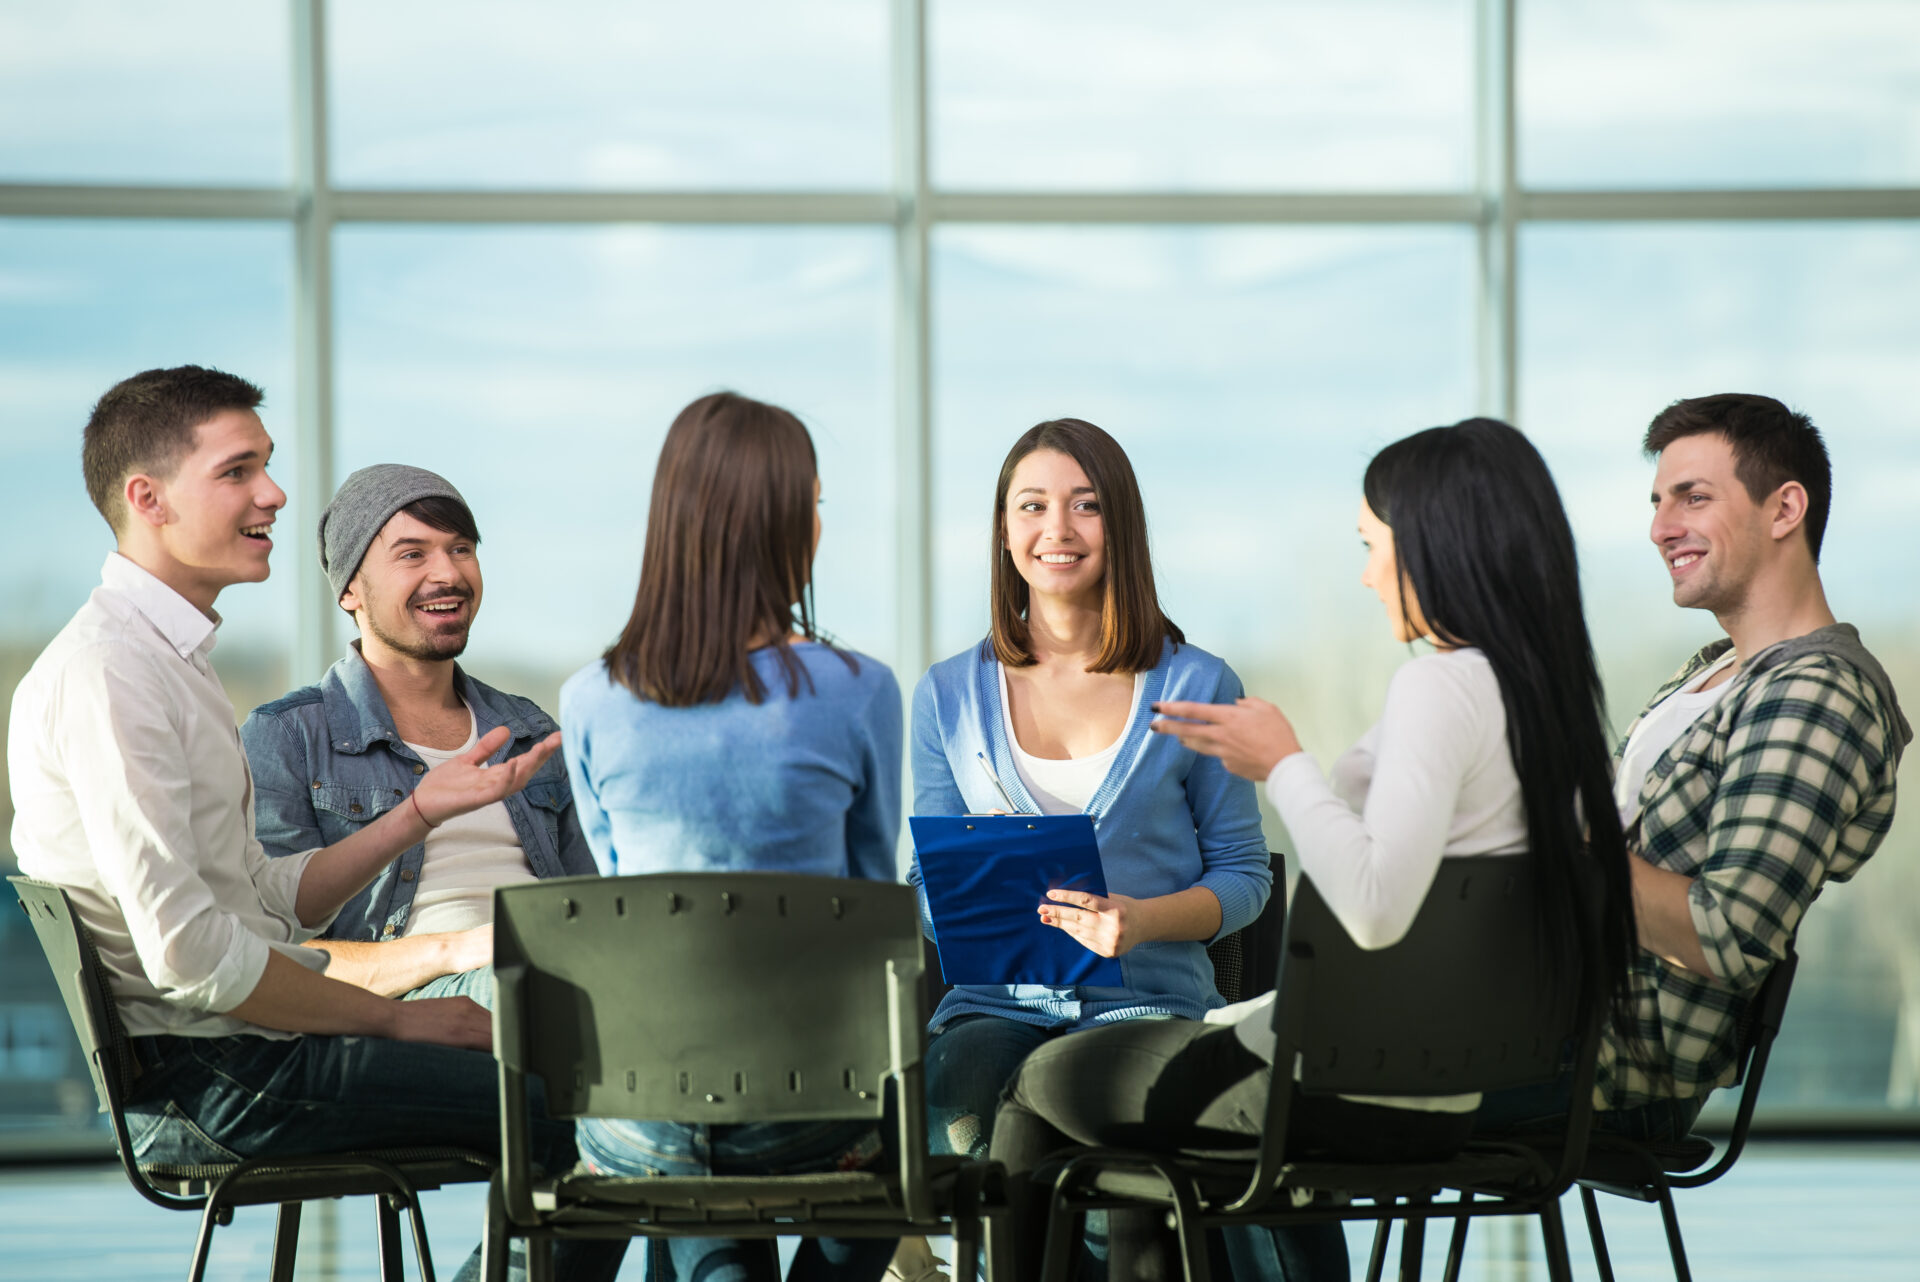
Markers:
{"x": 131, "y": 791}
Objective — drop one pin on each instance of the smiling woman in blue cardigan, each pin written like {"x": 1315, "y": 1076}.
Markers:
{"x": 1057, "y": 698}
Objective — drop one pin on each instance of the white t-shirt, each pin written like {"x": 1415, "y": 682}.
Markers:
{"x": 467, "y": 856}
{"x": 1663, "y": 723}
{"x": 1065, "y": 787}
{"x": 1433, "y": 778}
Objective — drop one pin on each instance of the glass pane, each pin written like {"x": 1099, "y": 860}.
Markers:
{"x": 538, "y": 369}
{"x": 1249, "y": 373}
{"x": 123, "y": 91}
{"x": 600, "y": 94}
{"x": 1239, "y": 95}
{"x": 83, "y": 305}
{"x": 1617, "y": 322}
{"x": 1719, "y": 93}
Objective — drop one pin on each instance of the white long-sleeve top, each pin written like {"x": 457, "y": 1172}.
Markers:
{"x": 1432, "y": 779}
{"x": 132, "y": 792}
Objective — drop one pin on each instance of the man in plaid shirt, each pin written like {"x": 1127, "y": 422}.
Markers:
{"x": 1762, "y": 770}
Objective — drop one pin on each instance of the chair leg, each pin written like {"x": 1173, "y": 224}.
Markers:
{"x": 422, "y": 1252}
{"x": 1064, "y": 1227}
{"x": 286, "y": 1241}
{"x": 1457, "y": 1246}
{"x": 1413, "y": 1238}
{"x": 1554, "y": 1230}
{"x": 386, "y": 1222}
{"x": 1675, "y": 1247}
{"x": 216, "y": 1213}
{"x": 495, "y": 1242}
{"x": 1377, "y": 1260}
{"x": 1193, "y": 1235}
{"x": 540, "y": 1258}
{"x": 1602, "y": 1261}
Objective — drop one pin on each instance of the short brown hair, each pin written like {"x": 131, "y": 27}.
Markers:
{"x": 1132, "y": 625}
{"x": 147, "y": 423}
{"x": 729, "y": 556}
{"x": 1771, "y": 445}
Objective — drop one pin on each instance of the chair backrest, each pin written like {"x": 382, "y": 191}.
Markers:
{"x": 1758, "y": 1027}
{"x": 708, "y": 997}
{"x": 1460, "y": 1003}
{"x": 1246, "y": 962}
{"x": 83, "y": 987}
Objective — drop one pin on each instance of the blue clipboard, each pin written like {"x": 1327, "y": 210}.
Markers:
{"x": 986, "y": 874}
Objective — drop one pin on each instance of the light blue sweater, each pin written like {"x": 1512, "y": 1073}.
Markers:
{"x": 1166, "y": 819}
{"x": 808, "y": 783}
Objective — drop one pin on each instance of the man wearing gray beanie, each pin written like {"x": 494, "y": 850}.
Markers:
{"x": 401, "y": 551}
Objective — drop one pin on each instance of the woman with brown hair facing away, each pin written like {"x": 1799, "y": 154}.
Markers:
{"x": 722, "y": 732}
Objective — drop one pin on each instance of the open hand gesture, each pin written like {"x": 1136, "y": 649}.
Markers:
{"x": 469, "y": 782}
{"x": 1250, "y": 736}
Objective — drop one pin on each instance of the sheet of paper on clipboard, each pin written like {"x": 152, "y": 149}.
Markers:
{"x": 986, "y": 875}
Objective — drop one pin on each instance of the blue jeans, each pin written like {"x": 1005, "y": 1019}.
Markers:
{"x": 1522, "y": 1110}
{"x": 476, "y": 983}
{"x": 617, "y": 1146}
{"x": 221, "y": 1099}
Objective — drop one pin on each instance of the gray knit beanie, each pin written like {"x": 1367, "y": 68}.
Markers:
{"x": 363, "y": 505}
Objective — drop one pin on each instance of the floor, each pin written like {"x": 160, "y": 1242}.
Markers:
{"x": 1791, "y": 1211}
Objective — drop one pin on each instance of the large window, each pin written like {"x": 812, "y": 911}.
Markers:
{"x": 508, "y": 241}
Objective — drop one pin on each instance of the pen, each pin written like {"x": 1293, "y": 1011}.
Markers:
{"x": 998, "y": 787}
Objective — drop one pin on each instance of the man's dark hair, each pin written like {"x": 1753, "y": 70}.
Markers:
{"x": 1771, "y": 446}
{"x": 147, "y": 423}
{"x": 449, "y": 516}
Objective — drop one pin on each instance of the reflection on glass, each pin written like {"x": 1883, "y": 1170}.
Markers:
{"x": 121, "y": 91}
{"x": 538, "y": 369}
{"x": 1718, "y": 93}
{"x": 1617, "y": 322}
{"x": 1360, "y": 95}
{"x": 82, "y": 306}
{"x": 599, "y": 94}
{"x": 1249, "y": 373}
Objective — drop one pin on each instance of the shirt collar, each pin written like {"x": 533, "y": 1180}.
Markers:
{"x": 177, "y": 619}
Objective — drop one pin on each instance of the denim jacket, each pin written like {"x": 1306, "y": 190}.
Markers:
{"x": 326, "y": 761}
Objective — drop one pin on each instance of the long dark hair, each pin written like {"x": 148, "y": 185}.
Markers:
{"x": 729, "y": 556}
{"x": 1132, "y": 625}
{"x": 1485, "y": 548}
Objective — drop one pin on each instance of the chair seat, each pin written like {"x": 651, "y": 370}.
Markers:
{"x": 325, "y": 1175}
{"x": 583, "y": 1196}
{"x": 1632, "y": 1170}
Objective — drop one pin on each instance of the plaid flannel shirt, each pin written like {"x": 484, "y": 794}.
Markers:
{"x": 1784, "y": 784}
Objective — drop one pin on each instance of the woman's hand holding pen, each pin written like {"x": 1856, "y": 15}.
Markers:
{"x": 1250, "y": 736}
{"x": 1105, "y": 924}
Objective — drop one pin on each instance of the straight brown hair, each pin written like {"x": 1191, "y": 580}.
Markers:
{"x": 728, "y": 559}
{"x": 1132, "y": 625}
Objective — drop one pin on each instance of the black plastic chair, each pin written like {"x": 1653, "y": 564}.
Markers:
{"x": 1460, "y": 1004}
{"x": 1649, "y": 1172}
{"x": 718, "y": 998}
{"x": 395, "y": 1176}
{"x": 1246, "y": 962}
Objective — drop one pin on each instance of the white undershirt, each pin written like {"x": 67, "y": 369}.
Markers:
{"x": 1065, "y": 787}
{"x": 1662, "y": 724}
{"x": 467, "y": 856}
{"x": 1432, "y": 779}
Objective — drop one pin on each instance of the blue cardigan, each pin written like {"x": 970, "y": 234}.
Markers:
{"x": 1166, "y": 819}
{"x": 806, "y": 783}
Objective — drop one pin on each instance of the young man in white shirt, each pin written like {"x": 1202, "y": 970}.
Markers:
{"x": 131, "y": 792}
{"x": 402, "y": 552}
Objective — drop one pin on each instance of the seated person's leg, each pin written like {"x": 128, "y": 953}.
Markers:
{"x": 617, "y": 1146}
{"x": 477, "y": 984}
{"x": 201, "y": 1099}
{"x": 969, "y": 1061}
{"x": 1525, "y": 1110}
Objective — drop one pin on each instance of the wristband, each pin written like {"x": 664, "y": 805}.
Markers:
{"x": 415, "y": 799}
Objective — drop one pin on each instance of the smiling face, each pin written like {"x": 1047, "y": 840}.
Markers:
{"x": 1712, "y": 535}
{"x": 209, "y": 524}
{"x": 1383, "y": 576}
{"x": 1054, "y": 531}
{"x": 417, "y": 592}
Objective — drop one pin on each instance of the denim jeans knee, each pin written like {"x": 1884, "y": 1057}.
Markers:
{"x": 969, "y": 1062}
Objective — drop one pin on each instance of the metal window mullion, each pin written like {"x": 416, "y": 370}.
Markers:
{"x": 913, "y": 344}
{"x": 312, "y": 340}
{"x": 1497, "y": 300}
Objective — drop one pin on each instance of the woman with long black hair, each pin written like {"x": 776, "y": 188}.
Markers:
{"x": 1495, "y": 743}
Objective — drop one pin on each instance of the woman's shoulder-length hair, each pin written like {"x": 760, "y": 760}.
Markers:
{"x": 1132, "y": 625}
{"x": 728, "y": 558}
